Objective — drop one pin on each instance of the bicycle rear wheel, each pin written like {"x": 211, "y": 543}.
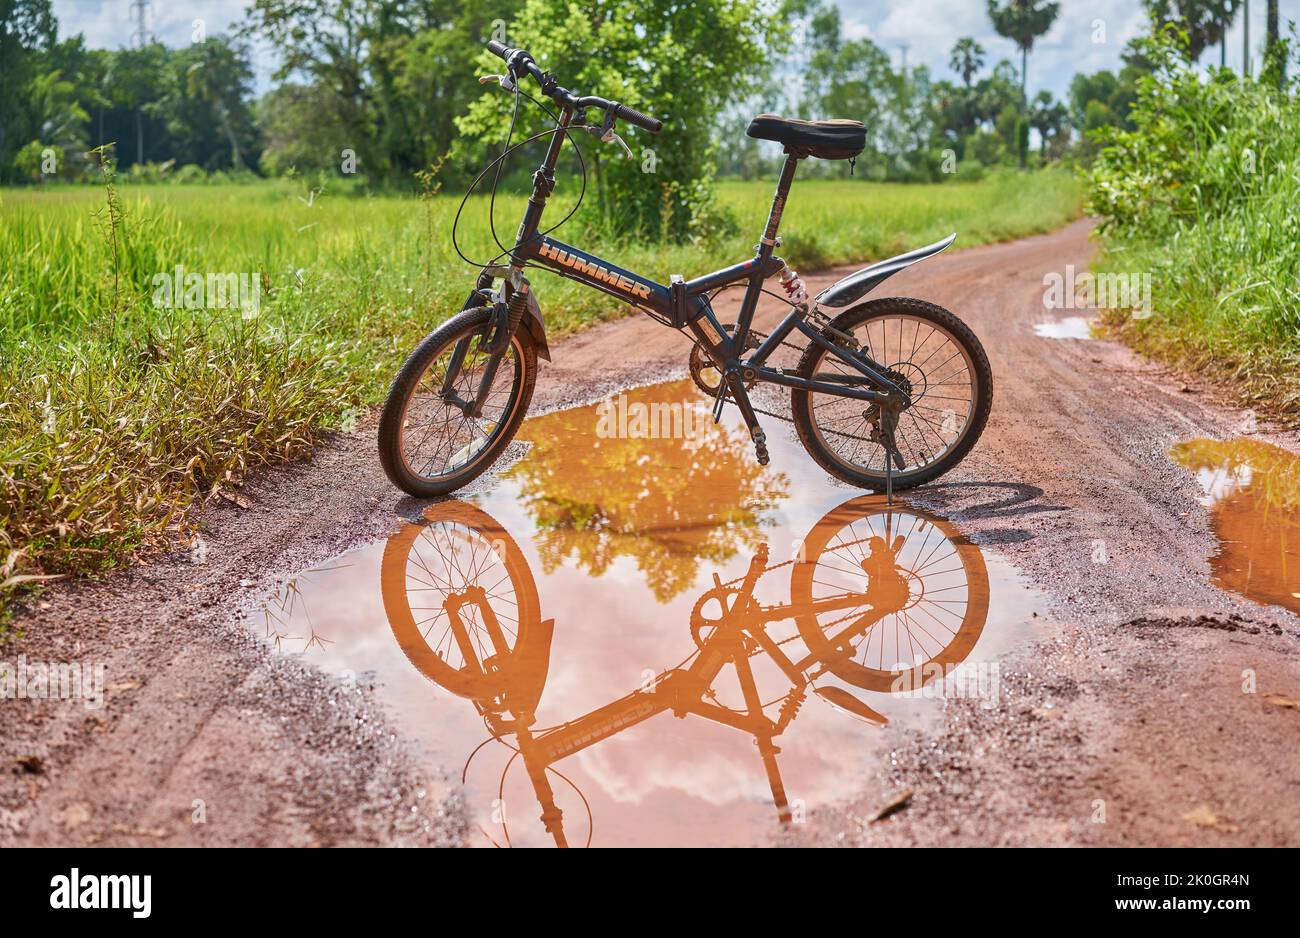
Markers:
{"x": 428, "y": 444}
{"x": 930, "y": 353}
{"x": 923, "y": 591}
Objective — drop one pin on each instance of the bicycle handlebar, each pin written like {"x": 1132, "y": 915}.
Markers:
{"x": 519, "y": 62}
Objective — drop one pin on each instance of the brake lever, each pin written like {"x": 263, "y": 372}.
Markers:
{"x": 506, "y": 81}
{"x": 610, "y": 137}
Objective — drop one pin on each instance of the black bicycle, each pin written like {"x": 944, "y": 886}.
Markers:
{"x": 887, "y": 394}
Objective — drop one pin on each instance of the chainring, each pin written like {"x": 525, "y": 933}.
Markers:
{"x": 706, "y": 374}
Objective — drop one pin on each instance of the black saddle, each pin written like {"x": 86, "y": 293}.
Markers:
{"x": 826, "y": 140}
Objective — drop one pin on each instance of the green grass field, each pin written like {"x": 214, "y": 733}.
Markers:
{"x": 117, "y": 412}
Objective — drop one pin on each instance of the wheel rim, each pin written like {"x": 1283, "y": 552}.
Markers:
{"x": 437, "y": 439}
{"x": 459, "y": 551}
{"x": 944, "y": 397}
{"x": 935, "y": 622}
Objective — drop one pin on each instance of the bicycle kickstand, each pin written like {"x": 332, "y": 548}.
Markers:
{"x": 741, "y": 398}
{"x": 891, "y": 454}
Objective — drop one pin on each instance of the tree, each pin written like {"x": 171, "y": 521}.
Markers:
{"x": 1049, "y": 117}
{"x": 392, "y": 74}
{"x": 1204, "y": 21}
{"x": 966, "y": 58}
{"x": 1023, "y": 21}
{"x": 222, "y": 77}
{"x": 27, "y": 29}
{"x": 1224, "y": 11}
{"x": 1274, "y": 53}
{"x": 680, "y": 61}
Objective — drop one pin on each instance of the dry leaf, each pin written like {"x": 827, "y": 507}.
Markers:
{"x": 1204, "y": 816}
{"x": 124, "y": 685}
{"x": 1278, "y": 700}
{"x": 230, "y": 495}
{"x": 899, "y": 802}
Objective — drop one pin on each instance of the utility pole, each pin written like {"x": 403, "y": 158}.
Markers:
{"x": 902, "y": 49}
{"x": 1245, "y": 38}
{"x": 140, "y": 39}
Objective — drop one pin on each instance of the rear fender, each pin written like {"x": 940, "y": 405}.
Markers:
{"x": 859, "y": 284}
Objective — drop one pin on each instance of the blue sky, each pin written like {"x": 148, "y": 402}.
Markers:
{"x": 927, "y": 27}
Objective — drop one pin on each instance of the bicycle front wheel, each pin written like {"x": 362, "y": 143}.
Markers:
{"x": 428, "y": 444}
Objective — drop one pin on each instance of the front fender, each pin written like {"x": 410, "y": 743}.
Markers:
{"x": 859, "y": 284}
{"x": 536, "y": 328}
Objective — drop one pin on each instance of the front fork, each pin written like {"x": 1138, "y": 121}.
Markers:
{"x": 507, "y": 317}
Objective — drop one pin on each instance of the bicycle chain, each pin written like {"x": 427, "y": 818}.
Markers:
{"x": 767, "y": 413}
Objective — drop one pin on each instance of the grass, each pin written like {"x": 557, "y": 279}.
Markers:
{"x": 1202, "y": 195}
{"x": 117, "y": 414}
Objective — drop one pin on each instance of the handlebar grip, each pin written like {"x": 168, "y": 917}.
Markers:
{"x": 644, "y": 121}
{"x": 497, "y": 48}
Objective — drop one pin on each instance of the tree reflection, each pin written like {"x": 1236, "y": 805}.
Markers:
{"x": 646, "y": 476}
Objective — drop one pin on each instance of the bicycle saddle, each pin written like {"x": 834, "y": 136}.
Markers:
{"x": 826, "y": 140}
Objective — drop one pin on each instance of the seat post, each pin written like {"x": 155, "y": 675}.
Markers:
{"x": 778, "y": 203}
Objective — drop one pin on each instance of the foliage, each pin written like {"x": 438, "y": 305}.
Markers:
{"x": 682, "y": 63}
{"x": 1203, "y": 22}
{"x": 1202, "y": 193}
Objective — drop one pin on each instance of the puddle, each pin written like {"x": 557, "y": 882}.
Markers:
{"x": 645, "y": 631}
{"x": 1071, "y": 327}
{"x": 1253, "y": 492}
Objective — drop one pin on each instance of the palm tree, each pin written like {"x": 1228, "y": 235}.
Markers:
{"x": 1224, "y": 13}
{"x": 966, "y": 59}
{"x": 1023, "y": 21}
{"x": 1204, "y": 21}
{"x": 1272, "y": 54}
{"x": 219, "y": 77}
{"x": 1049, "y": 117}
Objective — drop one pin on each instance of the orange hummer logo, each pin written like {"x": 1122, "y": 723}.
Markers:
{"x": 595, "y": 271}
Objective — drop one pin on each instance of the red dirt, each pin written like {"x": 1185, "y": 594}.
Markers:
{"x": 1134, "y": 712}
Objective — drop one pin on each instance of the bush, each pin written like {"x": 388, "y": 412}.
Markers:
{"x": 1202, "y": 195}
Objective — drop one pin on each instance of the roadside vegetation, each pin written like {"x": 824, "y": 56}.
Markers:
{"x": 1203, "y": 195}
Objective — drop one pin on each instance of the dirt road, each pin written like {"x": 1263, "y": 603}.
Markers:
{"x": 1129, "y": 726}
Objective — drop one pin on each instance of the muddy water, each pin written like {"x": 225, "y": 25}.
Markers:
{"x": 1253, "y": 491}
{"x": 1071, "y": 327}
{"x": 660, "y": 641}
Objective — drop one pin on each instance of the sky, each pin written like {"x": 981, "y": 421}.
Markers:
{"x": 1087, "y": 36}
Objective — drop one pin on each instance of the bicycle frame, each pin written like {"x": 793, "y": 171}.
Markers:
{"x": 685, "y": 303}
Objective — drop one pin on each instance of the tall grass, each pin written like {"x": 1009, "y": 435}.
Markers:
{"x": 1203, "y": 195}
{"x": 116, "y": 413}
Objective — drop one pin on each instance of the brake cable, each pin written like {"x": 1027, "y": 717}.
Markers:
{"x": 496, "y": 164}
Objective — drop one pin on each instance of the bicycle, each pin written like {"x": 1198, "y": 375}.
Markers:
{"x": 883, "y": 599}
{"x": 887, "y": 394}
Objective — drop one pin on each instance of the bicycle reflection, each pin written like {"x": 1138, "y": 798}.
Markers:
{"x": 879, "y": 598}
